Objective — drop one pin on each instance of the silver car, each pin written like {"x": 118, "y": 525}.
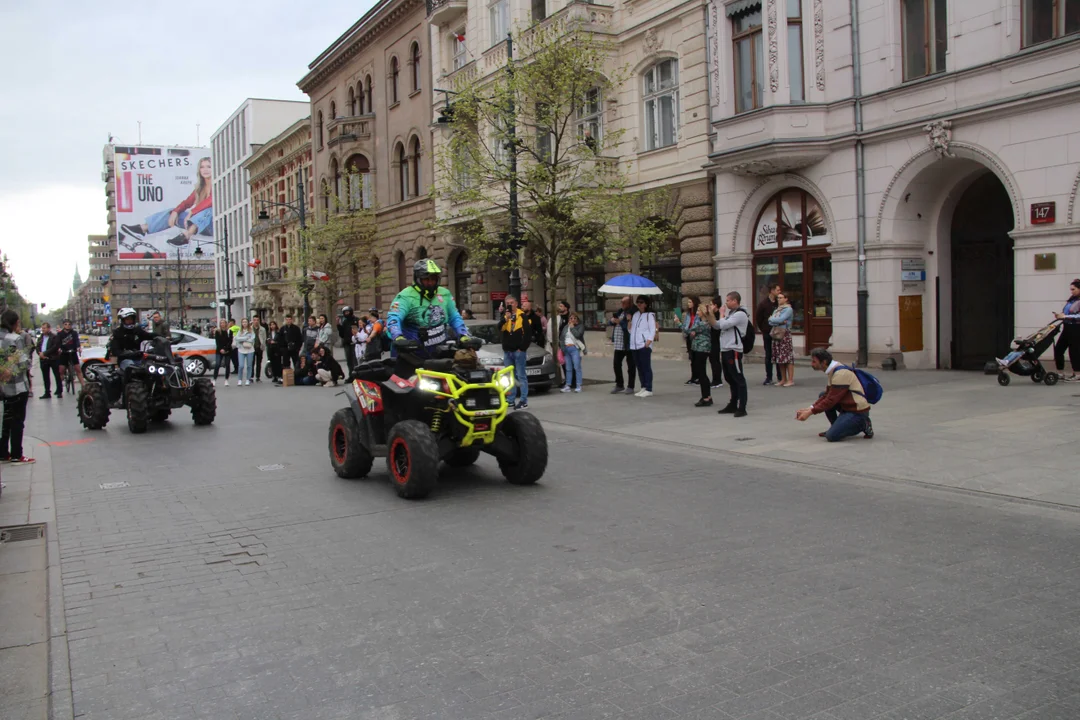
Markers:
{"x": 540, "y": 366}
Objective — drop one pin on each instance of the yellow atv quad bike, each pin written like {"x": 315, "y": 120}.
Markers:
{"x": 451, "y": 410}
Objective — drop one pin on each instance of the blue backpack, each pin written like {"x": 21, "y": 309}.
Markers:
{"x": 872, "y": 389}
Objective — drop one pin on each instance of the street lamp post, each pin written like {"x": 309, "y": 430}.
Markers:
{"x": 515, "y": 232}
{"x": 228, "y": 279}
{"x": 301, "y": 214}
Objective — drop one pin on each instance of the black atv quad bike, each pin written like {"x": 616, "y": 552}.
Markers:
{"x": 148, "y": 391}
{"x": 451, "y": 411}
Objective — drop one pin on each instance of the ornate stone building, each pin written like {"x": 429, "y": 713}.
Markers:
{"x": 274, "y": 171}
{"x": 663, "y": 109}
{"x": 370, "y": 121}
{"x": 940, "y": 133}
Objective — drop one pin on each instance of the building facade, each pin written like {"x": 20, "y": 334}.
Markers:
{"x": 253, "y": 123}
{"x": 182, "y": 290}
{"x": 275, "y": 171}
{"x": 938, "y": 135}
{"x": 662, "y": 111}
{"x": 371, "y": 138}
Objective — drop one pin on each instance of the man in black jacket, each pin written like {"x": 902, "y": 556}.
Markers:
{"x": 535, "y": 323}
{"x": 327, "y": 370}
{"x": 516, "y": 334}
{"x": 294, "y": 340}
{"x": 766, "y": 308}
{"x": 344, "y": 331}
{"x": 48, "y": 350}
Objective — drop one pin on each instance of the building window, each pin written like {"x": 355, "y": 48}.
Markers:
{"x": 352, "y": 101}
{"x": 319, "y": 131}
{"x": 403, "y": 171}
{"x": 545, "y": 139}
{"x": 360, "y": 192}
{"x": 749, "y": 58}
{"x": 333, "y": 110}
{"x": 499, "y": 15}
{"x": 367, "y": 95}
{"x": 925, "y": 38}
{"x": 414, "y": 160}
{"x": 394, "y": 72}
{"x": 661, "y": 104}
{"x": 335, "y": 173}
{"x": 588, "y": 302}
{"x": 590, "y": 123}
{"x": 539, "y": 10}
{"x": 795, "y": 51}
{"x": 1048, "y": 19}
{"x": 414, "y": 58}
{"x": 790, "y": 247}
{"x": 462, "y": 281}
{"x": 458, "y": 45}
{"x": 401, "y": 270}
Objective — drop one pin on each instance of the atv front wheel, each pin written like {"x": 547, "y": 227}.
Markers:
{"x": 93, "y": 406}
{"x": 348, "y": 456}
{"x": 138, "y": 414}
{"x": 412, "y": 459}
{"x": 203, "y": 401}
{"x": 463, "y": 457}
{"x": 531, "y": 451}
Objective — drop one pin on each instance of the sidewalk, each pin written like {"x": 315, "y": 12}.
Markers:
{"x": 952, "y": 429}
{"x": 33, "y": 645}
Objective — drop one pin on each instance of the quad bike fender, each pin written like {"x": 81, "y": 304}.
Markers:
{"x": 365, "y": 401}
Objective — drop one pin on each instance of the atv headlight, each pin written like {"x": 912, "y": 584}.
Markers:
{"x": 161, "y": 371}
{"x": 151, "y": 369}
{"x": 470, "y": 403}
{"x": 505, "y": 381}
{"x": 495, "y": 402}
{"x": 429, "y": 385}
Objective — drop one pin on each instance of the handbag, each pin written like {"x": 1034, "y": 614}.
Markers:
{"x": 777, "y": 332}
{"x": 560, "y": 357}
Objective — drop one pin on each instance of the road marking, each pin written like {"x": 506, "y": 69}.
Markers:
{"x": 65, "y": 443}
{"x": 113, "y": 485}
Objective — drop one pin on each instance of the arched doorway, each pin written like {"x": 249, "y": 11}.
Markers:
{"x": 982, "y": 273}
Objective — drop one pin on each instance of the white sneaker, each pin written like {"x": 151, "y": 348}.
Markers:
{"x": 577, "y": 389}
{"x": 645, "y": 393}
{"x": 226, "y": 383}
{"x": 565, "y": 388}
{"x": 639, "y": 393}
{"x": 247, "y": 382}
{"x": 215, "y": 383}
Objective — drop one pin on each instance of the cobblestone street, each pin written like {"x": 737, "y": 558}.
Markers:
{"x": 233, "y": 575}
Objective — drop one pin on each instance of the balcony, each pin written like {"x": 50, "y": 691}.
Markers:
{"x": 777, "y": 139}
{"x": 347, "y": 130}
{"x": 441, "y": 12}
{"x": 268, "y": 276}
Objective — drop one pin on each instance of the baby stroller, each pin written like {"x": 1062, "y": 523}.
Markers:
{"x": 1024, "y": 360}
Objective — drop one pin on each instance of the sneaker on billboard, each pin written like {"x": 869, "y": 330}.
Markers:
{"x": 178, "y": 240}
{"x": 133, "y": 230}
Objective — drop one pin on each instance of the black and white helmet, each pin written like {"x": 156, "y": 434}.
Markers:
{"x": 126, "y": 313}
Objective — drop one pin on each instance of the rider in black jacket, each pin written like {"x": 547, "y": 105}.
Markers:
{"x": 344, "y": 331}
{"x": 126, "y": 338}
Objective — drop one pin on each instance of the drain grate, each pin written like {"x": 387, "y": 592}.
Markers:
{"x": 21, "y": 532}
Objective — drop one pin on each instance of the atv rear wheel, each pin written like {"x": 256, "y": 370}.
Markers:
{"x": 530, "y": 442}
{"x": 412, "y": 459}
{"x": 203, "y": 401}
{"x": 93, "y": 406}
{"x": 138, "y": 414}
{"x": 348, "y": 456}
{"x": 463, "y": 457}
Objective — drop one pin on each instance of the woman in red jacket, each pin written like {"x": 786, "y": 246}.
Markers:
{"x": 194, "y": 215}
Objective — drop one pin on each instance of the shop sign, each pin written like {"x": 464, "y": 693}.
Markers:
{"x": 498, "y": 295}
{"x": 913, "y": 270}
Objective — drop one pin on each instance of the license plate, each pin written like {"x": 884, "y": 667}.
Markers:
{"x": 534, "y": 371}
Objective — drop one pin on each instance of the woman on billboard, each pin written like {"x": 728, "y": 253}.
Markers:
{"x": 195, "y": 214}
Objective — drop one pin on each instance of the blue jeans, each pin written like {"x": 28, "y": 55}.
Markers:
{"x": 643, "y": 361}
{"x": 125, "y": 364}
{"x": 160, "y": 220}
{"x": 521, "y": 380}
{"x": 245, "y": 366}
{"x": 845, "y": 424}
{"x": 573, "y": 363}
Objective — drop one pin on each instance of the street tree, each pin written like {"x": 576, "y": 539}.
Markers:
{"x": 538, "y": 124}
{"x": 340, "y": 251}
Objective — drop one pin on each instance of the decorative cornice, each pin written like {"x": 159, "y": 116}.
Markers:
{"x": 362, "y": 35}
{"x": 774, "y": 65}
{"x": 1072, "y": 199}
{"x": 819, "y": 44}
{"x": 280, "y": 162}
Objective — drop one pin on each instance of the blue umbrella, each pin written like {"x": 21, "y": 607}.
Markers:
{"x": 630, "y": 284}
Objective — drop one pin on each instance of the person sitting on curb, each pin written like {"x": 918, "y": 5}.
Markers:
{"x": 843, "y": 402}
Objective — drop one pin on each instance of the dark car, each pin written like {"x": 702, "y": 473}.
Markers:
{"x": 540, "y": 366}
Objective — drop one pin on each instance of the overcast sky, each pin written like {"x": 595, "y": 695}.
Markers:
{"x": 76, "y": 71}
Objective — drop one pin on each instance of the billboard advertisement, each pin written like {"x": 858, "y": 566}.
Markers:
{"x": 164, "y": 203}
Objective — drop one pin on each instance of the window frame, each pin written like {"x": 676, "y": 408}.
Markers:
{"x": 414, "y": 59}
{"x": 402, "y": 161}
{"x": 929, "y": 34}
{"x": 653, "y": 140}
{"x": 367, "y": 91}
{"x": 585, "y": 120}
{"x": 797, "y": 22}
{"x": 413, "y": 153}
{"x": 1060, "y": 7}
{"x": 319, "y": 130}
{"x": 352, "y": 101}
{"x": 498, "y": 34}
{"x": 756, "y": 45}
{"x": 458, "y": 53}
{"x": 395, "y": 73}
